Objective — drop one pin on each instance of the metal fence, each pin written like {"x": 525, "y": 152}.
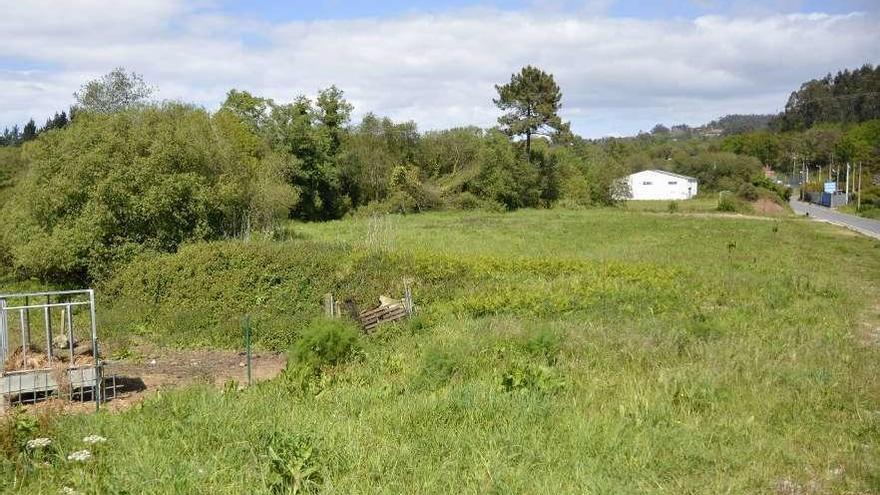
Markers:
{"x": 49, "y": 348}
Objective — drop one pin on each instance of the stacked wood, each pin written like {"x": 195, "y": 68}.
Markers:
{"x": 388, "y": 310}
{"x": 372, "y": 318}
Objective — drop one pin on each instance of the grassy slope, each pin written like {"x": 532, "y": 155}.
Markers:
{"x": 729, "y": 359}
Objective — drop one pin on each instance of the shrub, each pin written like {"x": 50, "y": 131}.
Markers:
{"x": 326, "y": 342}
{"x": 521, "y": 376}
{"x": 469, "y": 201}
{"x": 111, "y": 186}
{"x": 293, "y": 463}
{"x": 726, "y": 202}
{"x": 672, "y": 207}
{"x": 748, "y": 192}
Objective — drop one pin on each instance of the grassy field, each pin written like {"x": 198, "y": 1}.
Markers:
{"x": 703, "y": 204}
{"x": 595, "y": 351}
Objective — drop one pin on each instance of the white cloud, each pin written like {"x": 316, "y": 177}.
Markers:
{"x": 617, "y": 75}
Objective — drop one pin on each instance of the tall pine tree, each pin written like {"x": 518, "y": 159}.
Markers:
{"x": 532, "y": 99}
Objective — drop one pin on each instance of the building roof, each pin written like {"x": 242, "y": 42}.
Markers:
{"x": 664, "y": 172}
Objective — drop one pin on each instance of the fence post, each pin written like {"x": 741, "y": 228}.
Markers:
{"x": 246, "y": 327}
{"x": 99, "y": 375}
{"x": 4, "y": 337}
{"x": 328, "y": 305}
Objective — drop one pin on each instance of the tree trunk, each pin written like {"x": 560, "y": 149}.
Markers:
{"x": 529, "y": 146}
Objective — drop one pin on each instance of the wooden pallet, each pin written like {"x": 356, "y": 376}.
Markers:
{"x": 372, "y": 318}
{"x": 389, "y": 310}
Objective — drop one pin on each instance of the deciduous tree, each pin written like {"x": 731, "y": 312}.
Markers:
{"x": 113, "y": 92}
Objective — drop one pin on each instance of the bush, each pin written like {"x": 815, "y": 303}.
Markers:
{"x": 726, "y": 202}
{"x": 782, "y": 193}
{"x": 468, "y": 201}
{"x": 326, "y": 342}
{"x": 293, "y": 463}
{"x": 108, "y": 187}
{"x": 672, "y": 207}
{"x": 196, "y": 297}
{"x": 523, "y": 376}
{"x": 748, "y": 192}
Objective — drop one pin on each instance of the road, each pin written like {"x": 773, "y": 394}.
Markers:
{"x": 863, "y": 225}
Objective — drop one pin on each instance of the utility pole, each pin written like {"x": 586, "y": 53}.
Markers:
{"x": 859, "y": 203}
{"x": 846, "y": 188}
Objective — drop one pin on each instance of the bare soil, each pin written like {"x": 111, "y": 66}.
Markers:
{"x": 766, "y": 206}
{"x": 154, "y": 370}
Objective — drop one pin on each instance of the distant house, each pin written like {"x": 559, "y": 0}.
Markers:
{"x": 659, "y": 184}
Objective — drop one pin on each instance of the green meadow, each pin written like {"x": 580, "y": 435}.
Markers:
{"x": 554, "y": 351}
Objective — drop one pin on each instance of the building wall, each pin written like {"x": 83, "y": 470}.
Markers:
{"x": 650, "y": 184}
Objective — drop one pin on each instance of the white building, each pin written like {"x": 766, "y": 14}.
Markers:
{"x": 659, "y": 184}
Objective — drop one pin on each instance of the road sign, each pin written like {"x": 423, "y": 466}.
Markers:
{"x": 831, "y": 187}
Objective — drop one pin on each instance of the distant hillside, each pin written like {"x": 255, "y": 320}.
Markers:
{"x": 848, "y": 97}
{"x": 724, "y": 126}
{"x": 738, "y": 124}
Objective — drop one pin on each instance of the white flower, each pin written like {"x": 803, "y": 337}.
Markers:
{"x": 69, "y": 491}
{"x": 38, "y": 443}
{"x": 80, "y": 456}
{"x": 93, "y": 439}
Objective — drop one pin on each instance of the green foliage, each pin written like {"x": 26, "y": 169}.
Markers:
{"x": 747, "y": 192}
{"x": 326, "y": 342}
{"x": 718, "y": 171}
{"x": 526, "y": 376}
{"x": 532, "y": 99}
{"x": 439, "y": 365}
{"x": 782, "y": 193}
{"x": 11, "y": 167}
{"x": 762, "y": 145}
{"x": 113, "y": 92}
{"x": 848, "y": 96}
{"x": 15, "y": 430}
{"x": 672, "y": 207}
{"x": 111, "y": 186}
{"x": 726, "y": 202}
{"x": 294, "y": 464}
{"x": 544, "y": 343}
{"x": 505, "y": 177}
{"x": 247, "y": 109}
{"x": 195, "y": 297}
{"x": 636, "y": 389}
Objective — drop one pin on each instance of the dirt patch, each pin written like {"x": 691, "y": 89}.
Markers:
{"x": 154, "y": 370}
{"x": 766, "y": 206}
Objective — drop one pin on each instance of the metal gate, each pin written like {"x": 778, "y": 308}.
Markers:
{"x": 61, "y": 359}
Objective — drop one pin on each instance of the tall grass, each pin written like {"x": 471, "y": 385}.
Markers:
{"x": 599, "y": 351}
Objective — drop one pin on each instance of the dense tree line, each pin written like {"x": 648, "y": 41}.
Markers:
{"x": 128, "y": 175}
{"x": 121, "y": 174}
{"x": 17, "y": 136}
{"x": 847, "y": 97}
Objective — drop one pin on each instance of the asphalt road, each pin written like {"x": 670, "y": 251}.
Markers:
{"x": 863, "y": 225}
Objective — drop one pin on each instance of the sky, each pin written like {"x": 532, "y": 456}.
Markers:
{"x": 622, "y": 65}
